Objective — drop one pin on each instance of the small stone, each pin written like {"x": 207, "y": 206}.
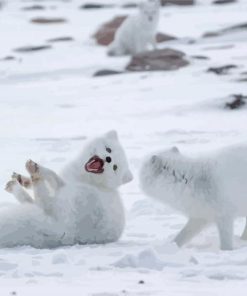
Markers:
{"x": 106, "y": 72}
{"x": 237, "y": 102}
{"x": 95, "y": 6}
{"x": 177, "y": 2}
{"x": 224, "y": 1}
{"x": 26, "y": 49}
{"x": 47, "y": 21}
{"x": 33, "y": 7}
{"x": 60, "y": 39}
{"x": 223, "y": 70}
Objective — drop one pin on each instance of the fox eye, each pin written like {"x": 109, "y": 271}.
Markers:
{"x": 108, "y": 149}
{"x": 114, "y": 167}
{"x": 108, "y": 159}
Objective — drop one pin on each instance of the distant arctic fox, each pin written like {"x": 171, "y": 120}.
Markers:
{"x": 81, "y": 207}
{"x": 138, "y": 31}
{"x": 207, "y": 190}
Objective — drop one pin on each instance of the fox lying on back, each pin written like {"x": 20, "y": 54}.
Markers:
{"x": 207, "y": 190}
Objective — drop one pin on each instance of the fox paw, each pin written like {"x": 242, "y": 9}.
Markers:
{"x": 24, "y": 181}
{"x": 33, "y": 169}
{"x": 11, "y": 185}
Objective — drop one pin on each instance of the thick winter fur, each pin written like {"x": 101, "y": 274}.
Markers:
{"x": 207, "y": 190}
{"x": 80, "y": 207}
{"x": 137, "y": 32}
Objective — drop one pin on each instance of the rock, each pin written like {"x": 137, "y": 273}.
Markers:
{"x": 106, "y": 72}
{"x": 48, "y": 20}
{"x": 242, "y": 26}
{"x": 105, "y": 34}
{"x": 26, "y": 49}
{"x": 237, "y": 102}
{"x": 33, "y": 7}
{"x": 200, "y": 57}
{"x": 129, "y": 5}
{"x": 158, "y": 60}
{"x": 95, "y": 6}
{"x": 161, "y": 37}
{"x": 8, "y": 58}
{"x": 224, "y": 1}
{"x": 232, "y": 29}
{"x": 177, "y": 2}
{"x": 223, "y": 70}
{"x": 60, "y": 39}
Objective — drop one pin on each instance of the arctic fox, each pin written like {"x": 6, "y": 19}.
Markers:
{"x": 207, "y": 190}
{"x": 137, "y": 32}
{"x": 81, "y": 207}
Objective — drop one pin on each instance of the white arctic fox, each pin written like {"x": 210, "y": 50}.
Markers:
{"x": 138, "y": 31}
{"x": 207, "y": 190}
{"x": 81, "y": 207}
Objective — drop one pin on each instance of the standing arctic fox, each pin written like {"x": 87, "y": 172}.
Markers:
{"x": 81, "y": 207}
{"x": 138, "y": 31}
{"x": 207, "y": 190}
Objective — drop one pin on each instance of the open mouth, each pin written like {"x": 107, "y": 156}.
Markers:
{"x": 95, "y": 165}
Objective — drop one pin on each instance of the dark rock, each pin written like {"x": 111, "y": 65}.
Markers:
{"x": 26, "y": 49}
{"x": 210, "y": 34}
{"x": 223, "y": 70}
{"x": 237, "y": 102}
{"x": 199, "y": 57}
{"x": 33, "y": 7}
{"x": 95, "y": 6}
{"x": 224, "y": 1}
{"x": 177, "y": 2}
{"x": 48, "y": 20}
{"x": 106, "y": 72}
{"x": 141, "y": 282}
{"x": 60, "y": 39}
{"x": 161, "y": 37}
{"x": 158, "y": 60}
{"x": 8, "y": 58}
{"x": 239, "y": 27}
{"x": 105, "y": 34}
{"x": 231, "y": 29}
{"x": 130, "y": 5}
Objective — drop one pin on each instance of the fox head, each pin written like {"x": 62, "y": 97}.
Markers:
{"x": 103, "y": 162}
{"x": 149, "y": 10}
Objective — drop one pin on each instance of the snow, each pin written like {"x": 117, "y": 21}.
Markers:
{"x": 49, "y": 105}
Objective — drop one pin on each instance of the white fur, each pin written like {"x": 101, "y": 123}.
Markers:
{"x": 79, "y": 208}
{"x": 207, "y": 190}
{"x": 137, "y": 32}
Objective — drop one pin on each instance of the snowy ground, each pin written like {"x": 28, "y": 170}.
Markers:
{"x": 50, "y": 103}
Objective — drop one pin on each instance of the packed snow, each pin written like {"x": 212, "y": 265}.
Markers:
{"x": 50, "y": 103}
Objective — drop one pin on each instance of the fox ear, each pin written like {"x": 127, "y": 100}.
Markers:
{"x": 112, "y": 135}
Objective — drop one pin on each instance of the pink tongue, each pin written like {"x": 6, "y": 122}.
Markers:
{"x": 94, "y": 165}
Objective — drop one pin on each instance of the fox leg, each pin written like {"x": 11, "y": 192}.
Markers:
{"x": 45, "y": 183}
{"x": 225, "y": 229}
{"x": 191, "y": 229}
{"x": 244, "y": 234}
{"x": 20, "y": 194}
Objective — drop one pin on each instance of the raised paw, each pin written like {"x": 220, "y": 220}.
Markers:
{"x": 11, "y": 185}
{"x": 24, "y": 181}
{"x": 33, "y": 169}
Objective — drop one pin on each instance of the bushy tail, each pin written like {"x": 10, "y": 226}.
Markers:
{"x": 27, "y": 224}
